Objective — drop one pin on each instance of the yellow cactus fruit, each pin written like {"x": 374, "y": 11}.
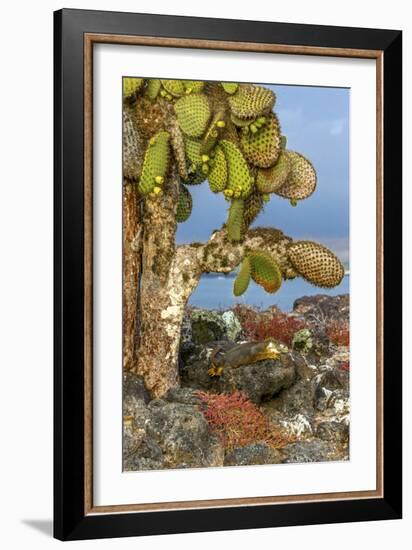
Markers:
{"x": 235, "y": 220}
{"x": 175, "y": 88}
{"x": 230, "y": 87}
{"x": 238, "y": 169}
{"x": 269, "y": 180}
{"x": 153, "y": 88}
{"x": 316, "y": 263}
{"x": 265, "y": 271}
{"x": 193, "y": 86}
{"x": 193, "y": 114}
{"x": 155, "y": 163}
{"x": 131, "y": 86}
{"x": 262, "y": 147}
{"x": 218, "y": 173}
{"x": 184, "y": 205}
{"x": 251, "y": 101}
{"x": 243, "y": 278}
{"x": 301, "y": 181}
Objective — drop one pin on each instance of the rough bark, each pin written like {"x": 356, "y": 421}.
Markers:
{"x": 132, "y": 231}
{"x": 133, "y": 148}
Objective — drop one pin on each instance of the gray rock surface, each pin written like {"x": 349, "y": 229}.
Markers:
{"x": 333, "y": 431}
{"x": 253, "y": 454}
{"x": 209, "y": 325}
{"x": 321, "y": 308}
{"x": 309, "y": 451}
{"x": 183, "y": 435}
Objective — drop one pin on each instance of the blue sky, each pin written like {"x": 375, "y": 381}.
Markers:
{"x": 315, "y": 121}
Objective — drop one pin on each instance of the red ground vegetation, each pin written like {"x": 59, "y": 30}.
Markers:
{"x": 238, "y": 422}
{"x": 259, "y": 326}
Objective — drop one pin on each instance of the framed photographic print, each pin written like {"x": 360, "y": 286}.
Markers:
{"x": 227, "y": 274}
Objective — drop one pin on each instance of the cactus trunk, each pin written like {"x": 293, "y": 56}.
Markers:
{"x": 131, "y": 271}
{"x": 169, "y": 275}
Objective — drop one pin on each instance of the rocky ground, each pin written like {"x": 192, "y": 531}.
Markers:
{"x": 292, "y": 409}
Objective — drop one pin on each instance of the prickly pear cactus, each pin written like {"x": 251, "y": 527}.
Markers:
{"x": 131, "y": 86}
{"x": 243, "y": 278}
{"x": 219, "y": 173}
{"x": 235, "y": 219}
{"x": 193, "y": 113}
{"x": 265, "y": 271}
{"x": 316, "y": 263}
{"x": 301, "y": 180}
{"x": 155, "y": 164}
{"x": 261, "y": 142}
{"x": 251, "y": 101}
{"x": 227, "y": 134}
{"x": 184, "y": 205}
{"x": 239, "y": 182}
{"x": 269, "y": 180}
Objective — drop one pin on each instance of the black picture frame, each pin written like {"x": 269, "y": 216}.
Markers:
{"x": 70, "y": 519}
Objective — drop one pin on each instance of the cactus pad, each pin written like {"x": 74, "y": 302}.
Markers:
{"x": 218, "y": 174}
{"x": 301, "y": 181}
{"x": 239, "y": 177}
{"x": 269, "y": 180}
{"x": 251, "y": 101}
{"x": 235, "y": 219}
{"x": 155, "y": 163}
{"x": 230, "y": 87}
{"x": 131, "y": 86}
{"x": 265, "y": 271}
{"x": 193, "y": 86}
{"x": 153, "y": 88}
{"x": 263, "y": 147}
{"x": 243, "y": 278}
{"x": 241, "y": 122}
{"x": 175, "y": 88}
{"x": 316, "y": 263}
{"x": 253, "y": 205}
{"x": 192, "y": 148}
{"x": 195, "y": 177}
{"x": 184, "y": 205}
{"x": 193, "y": 113}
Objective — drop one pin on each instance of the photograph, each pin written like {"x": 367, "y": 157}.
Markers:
{"x": 236, "y": 273}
